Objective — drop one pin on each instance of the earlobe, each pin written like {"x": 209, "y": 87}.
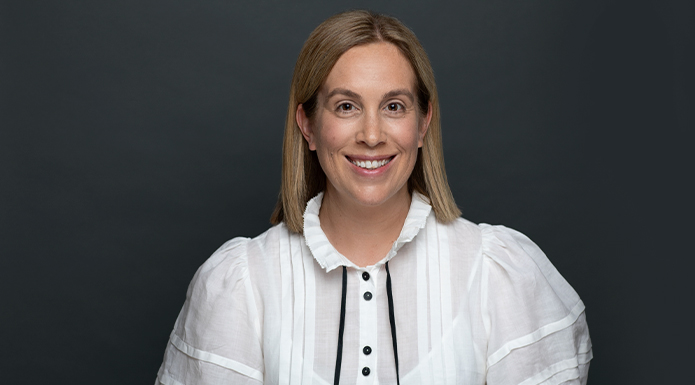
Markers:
{"x": 304, "y": 124}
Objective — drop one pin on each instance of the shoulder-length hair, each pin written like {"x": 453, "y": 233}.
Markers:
{"x": 302, "y": 176}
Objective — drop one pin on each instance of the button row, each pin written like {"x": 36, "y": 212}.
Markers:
{"x": 366, "y": 350}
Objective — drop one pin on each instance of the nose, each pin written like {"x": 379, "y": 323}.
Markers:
{"x": 371, "y": 133}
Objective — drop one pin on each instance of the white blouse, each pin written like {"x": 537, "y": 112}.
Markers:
{"x": 474, "y": 304}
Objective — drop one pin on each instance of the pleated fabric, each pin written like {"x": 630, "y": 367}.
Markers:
{"x": 473, "y": 304}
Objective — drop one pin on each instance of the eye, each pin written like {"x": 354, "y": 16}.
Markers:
{"x": 394, "y": 107}
{"x": 346, "y": 107}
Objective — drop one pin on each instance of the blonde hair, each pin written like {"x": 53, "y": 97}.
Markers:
{"x": 302, "y": 176}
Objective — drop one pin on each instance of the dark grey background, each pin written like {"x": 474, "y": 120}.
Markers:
{"x": 138, "y": 136}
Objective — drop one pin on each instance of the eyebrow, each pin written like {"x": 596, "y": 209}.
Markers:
{"x": 343, "y": 91}
{"x": 400, "y": 92}
{"x": 390, "y": 94}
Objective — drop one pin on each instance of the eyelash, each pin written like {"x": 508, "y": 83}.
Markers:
{"x": 349, "y": 107}
{"x": 399, "y": 107}
{"x": 342, "y": 105}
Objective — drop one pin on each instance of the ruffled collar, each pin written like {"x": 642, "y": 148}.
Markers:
{"x": 329, "y": 258}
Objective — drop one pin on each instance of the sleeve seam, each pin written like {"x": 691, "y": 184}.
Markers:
{"x": 218, "y": 360}
{"x": 537, "y": 335}
{"x": 552, "y": 370}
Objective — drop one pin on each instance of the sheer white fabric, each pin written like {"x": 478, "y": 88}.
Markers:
{"x": 474, "y": 304}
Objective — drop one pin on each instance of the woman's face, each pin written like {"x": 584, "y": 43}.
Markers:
{"x": 367, "y": 128}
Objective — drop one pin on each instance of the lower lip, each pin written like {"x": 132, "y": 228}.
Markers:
{"x": 373, "y": 172}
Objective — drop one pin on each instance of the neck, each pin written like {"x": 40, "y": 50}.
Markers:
{"x": 363, "y": 234}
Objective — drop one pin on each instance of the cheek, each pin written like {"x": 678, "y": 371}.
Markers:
{"x": 326, "y": 146}
{"x": 408, "y": 136}
{"x": 331, "y": 137}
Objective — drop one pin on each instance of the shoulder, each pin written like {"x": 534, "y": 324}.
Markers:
{"x": 219, "y": 280}
{"x": 517, "y": 280}
{"x": 218, "y": 330}
{"x": 243, "y": 264}
{"x": 514, "y": 259}
{"x": 503, "y": 248}
{"x": 228, "y": 257}
{"x": 223, "y": 292}
{"x": 534, "y": 319}
{"x": 531, "y": 313}
{"x": 234, "y": 256}
{"x": 463, "y": 235}
{"x": 497, "y": 243}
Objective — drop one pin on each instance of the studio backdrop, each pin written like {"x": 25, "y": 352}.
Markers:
{"x": 138, "y": 136}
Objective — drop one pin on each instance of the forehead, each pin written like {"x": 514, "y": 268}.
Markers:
{"x": 370, "y": 67}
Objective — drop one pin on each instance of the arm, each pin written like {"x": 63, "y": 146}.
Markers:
{"x": 537, "y": 330}
{"x": 216, "y": 338}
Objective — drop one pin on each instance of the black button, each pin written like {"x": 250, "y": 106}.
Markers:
{"x": 365, "y": 276}
{"x": 367, "y": 350}
{"x": 365, "y": 371}
{"x": 367, "y": 296}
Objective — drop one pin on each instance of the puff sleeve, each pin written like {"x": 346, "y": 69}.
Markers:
{"x": 217, "y": 335}
{"x": 537, "y": 331}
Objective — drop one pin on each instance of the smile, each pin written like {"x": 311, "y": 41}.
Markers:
{"x": 371, "y": 164}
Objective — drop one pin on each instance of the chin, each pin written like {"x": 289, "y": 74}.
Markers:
{"x": 376, "y": 197}
{"x": 370, "y": 201}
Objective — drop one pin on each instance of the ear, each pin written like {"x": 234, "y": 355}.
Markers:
{"x": 305, "y": 127}
{"x": 425, "y": 124}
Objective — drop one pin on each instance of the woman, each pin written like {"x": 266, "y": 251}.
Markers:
{"x": 369, "y": 275}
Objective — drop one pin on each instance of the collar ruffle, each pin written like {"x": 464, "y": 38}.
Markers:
{"x": 329, "y": 258}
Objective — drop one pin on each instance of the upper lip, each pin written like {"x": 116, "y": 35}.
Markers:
{"x": 365, "y": 158}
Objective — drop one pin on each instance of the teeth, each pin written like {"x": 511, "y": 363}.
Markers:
{"x": 370, "y": 164}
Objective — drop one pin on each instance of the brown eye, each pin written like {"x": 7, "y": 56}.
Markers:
{"x": 394, "y": 107}
{"x": 345, "y": 107}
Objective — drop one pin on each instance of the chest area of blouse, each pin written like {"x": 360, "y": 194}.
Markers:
{"x": 439, "y": 332}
